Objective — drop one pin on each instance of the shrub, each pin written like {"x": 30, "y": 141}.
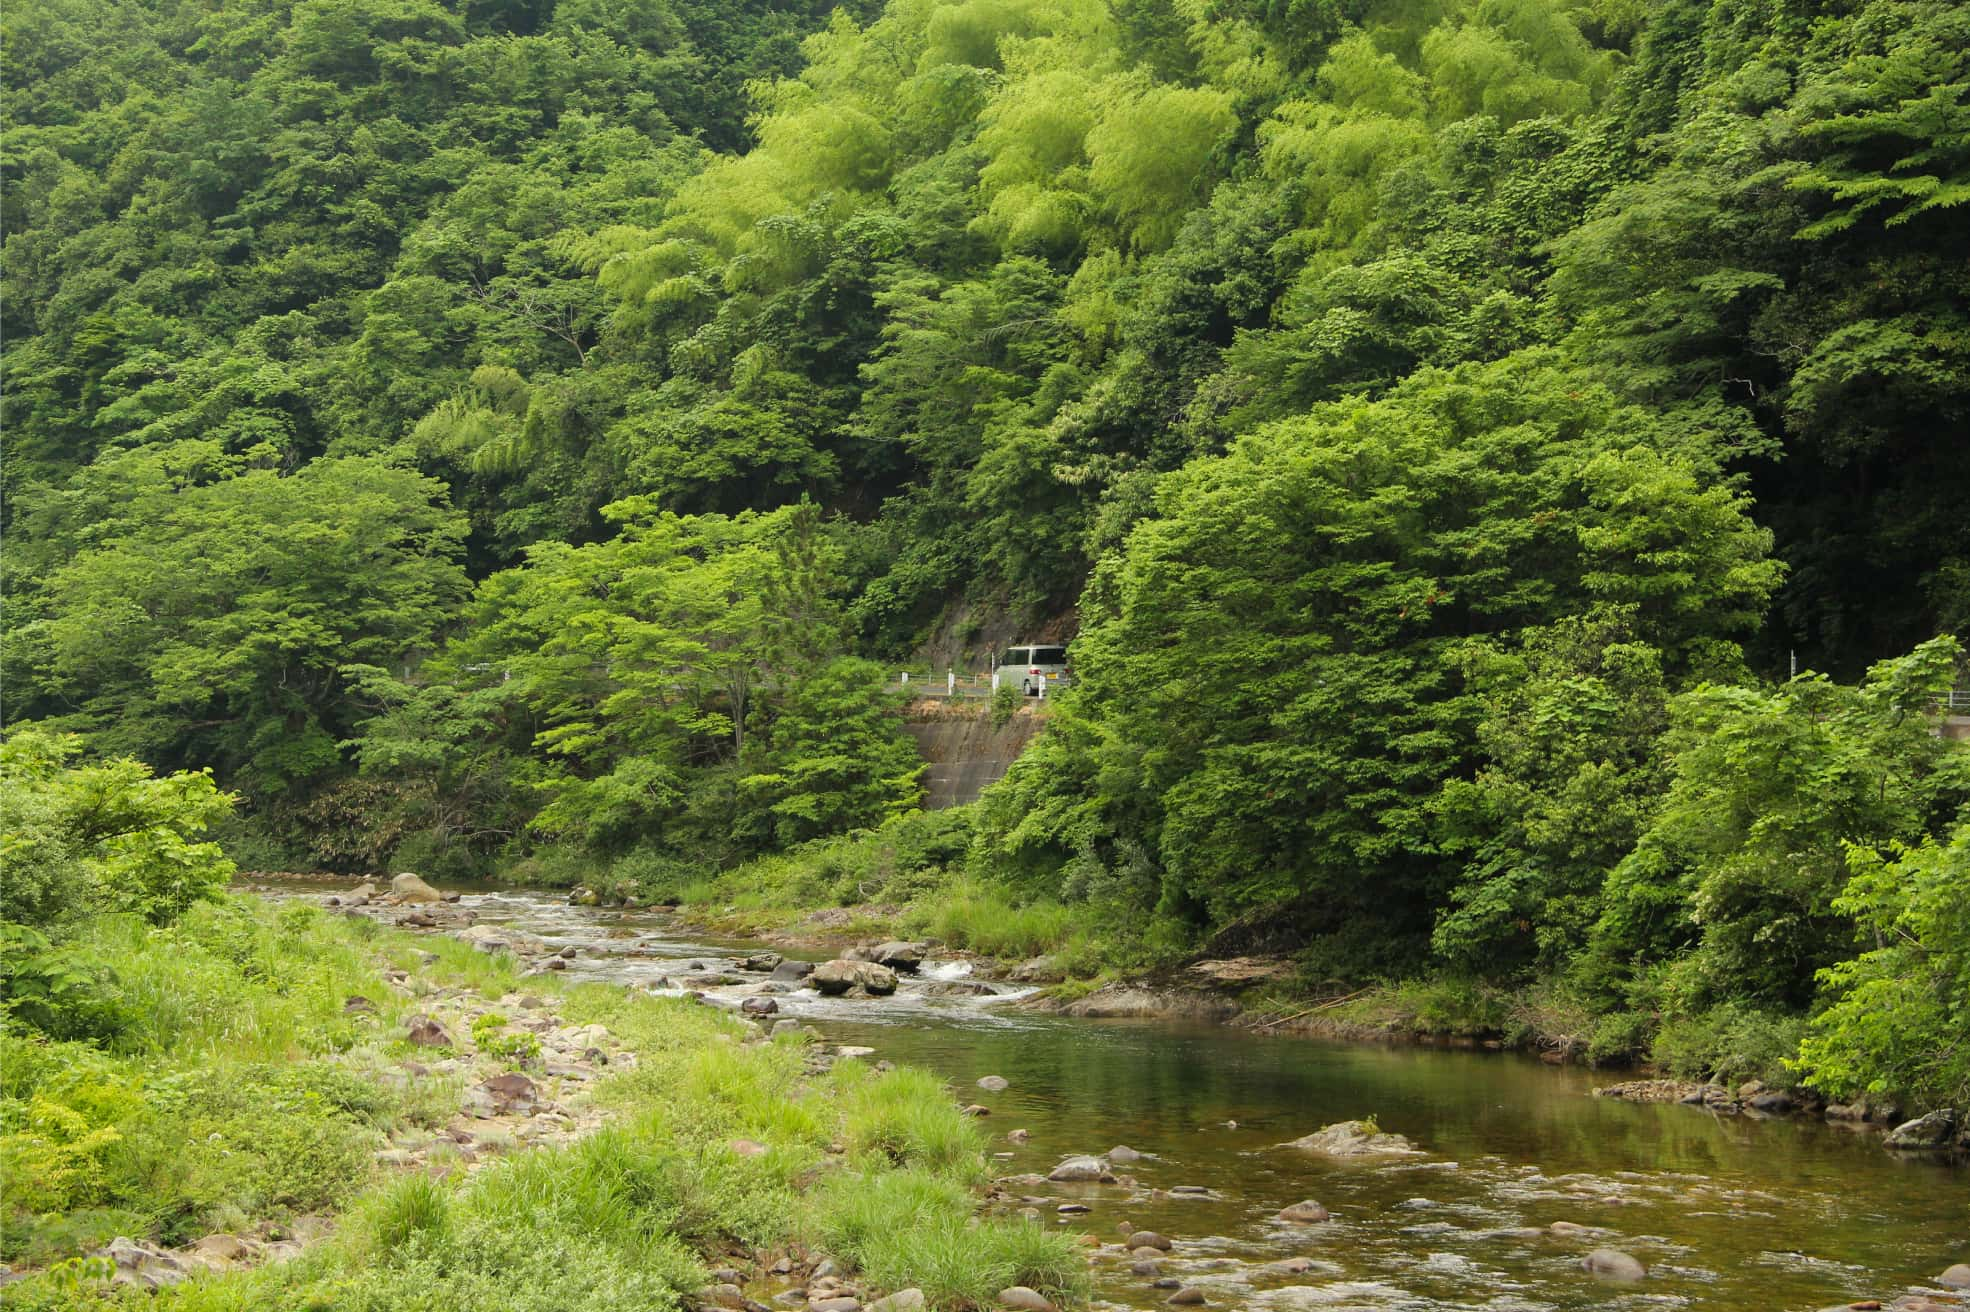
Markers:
{"x": 1728, "y": 1044}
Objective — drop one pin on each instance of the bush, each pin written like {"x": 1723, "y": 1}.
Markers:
{"x": 1729, "y": 1044}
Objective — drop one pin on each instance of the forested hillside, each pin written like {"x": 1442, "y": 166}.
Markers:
{"x": 504, "y": 433}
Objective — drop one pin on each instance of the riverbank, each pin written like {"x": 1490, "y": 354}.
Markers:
{"x": 1731, "y": 1067}
{"x": 326, "y": 1111}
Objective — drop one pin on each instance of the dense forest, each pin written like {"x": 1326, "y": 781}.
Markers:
{"x": 509, "y": 434}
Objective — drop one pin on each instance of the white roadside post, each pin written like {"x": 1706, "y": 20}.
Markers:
{"x": 950, "y": 682}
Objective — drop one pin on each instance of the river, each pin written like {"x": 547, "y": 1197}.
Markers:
{"x": 1727, "y": 1212}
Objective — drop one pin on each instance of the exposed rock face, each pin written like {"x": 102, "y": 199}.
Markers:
{"x": 835, "y": 978}
{"x": 1239, "y": 972}
{"x": 1925, "y": 1133}
{"x": 1613, "y": 1264}
{"x": 1074, "y": 1169}
{"x": 1122, "y": 1000}
{"x": 1355, "y": 1139}
{"x": 409, "y": 888}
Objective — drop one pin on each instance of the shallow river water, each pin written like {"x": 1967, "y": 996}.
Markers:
{"x": 1727, "y": 1212}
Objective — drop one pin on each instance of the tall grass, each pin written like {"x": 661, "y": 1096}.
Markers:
{"x": 982, "y": 918}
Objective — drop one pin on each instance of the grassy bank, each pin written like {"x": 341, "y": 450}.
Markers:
{"x": 910, "y": 879}
{"x": 238, "y": 1093}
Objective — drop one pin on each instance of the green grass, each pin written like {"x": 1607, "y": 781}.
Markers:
{"x": 915, "y": 1227}
{"x": 982, "y": 918}
{"x": 232, "y": 1112}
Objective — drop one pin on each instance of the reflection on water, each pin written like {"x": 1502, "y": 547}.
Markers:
{"x": 1727, "y": 1212}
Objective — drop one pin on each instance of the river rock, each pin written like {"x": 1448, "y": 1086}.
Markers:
{"x": 1188, "y": 1296}
{"x": 1291, "y": 1266}
{"x": 975, "y": 1109}
{"x": 761, "y": 962}
{"x": 427, "y": 1033}
{"x": 357, "y": 1004}
{"x": 581, "y": 895}
{"x": 1772, "y": 1102}
{"x": 759, "y": 1006}
{"x": 903, "y": 1300}
{"x": 144, "y": 1265}
{"x": 1355, "y": 1139}
{"x": 365, "y": 890}
{"x": 1082, "y": 1169}
{"x": 835, "y": 978}
{"x": 221, "y": 1250}
{"x": 994, "y": 1084}
{"x": 1026, "y": 1300}
{"x": 1122, "y": 1155}
{"x": 409, "y": 888}
{"x": 1304, "y": 1213}
{"x": 1150, "y": 1239}
{"x": 1613, "y": 1264}
{"x": 792, "y": 972}
{"x": 958, "y": 988}
{"x": 512, "y": 1094}
{"x": 1146, "y": 1267}
{"x": 788, "y": 1025}
{"x": 1957, "y": 1277}
{"x": 898, "y": 955}
{"x": 1924, "y": 1133}
{"x": 1018, "y": 1136}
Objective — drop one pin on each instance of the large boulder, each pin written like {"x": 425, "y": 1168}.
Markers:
{"x": 144, "y": 1265}
{"x": 898, "y": 955}
{"x": 1613, "y": 1264}
{"x": 835, "y": 978}
{"x": 1925, "y": 1133}
{"x": 1355, "y": 1139}
{"x": 1957, "y": 1277}
{"x": 409, "y": 888}
{"x": 790, "y": 972}
{"x": 1082, "y": 1169}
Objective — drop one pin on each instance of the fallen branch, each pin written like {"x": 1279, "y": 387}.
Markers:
{"x": 1308, "y": 1011}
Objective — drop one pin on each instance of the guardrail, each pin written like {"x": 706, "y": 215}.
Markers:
{"x": 923, "y": 681}
{"x": 1956, "y": 702}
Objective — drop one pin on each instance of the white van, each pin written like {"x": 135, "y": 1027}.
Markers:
{"x": 1031, "y": 668}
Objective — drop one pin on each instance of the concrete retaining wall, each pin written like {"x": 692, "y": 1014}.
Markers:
{"x": 965, "y": 753}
